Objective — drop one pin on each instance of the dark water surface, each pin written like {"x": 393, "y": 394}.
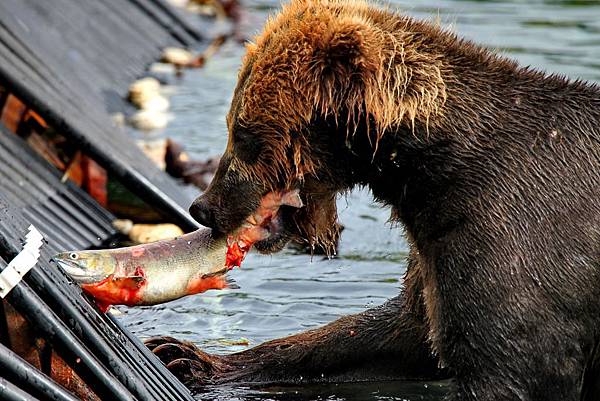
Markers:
{"x": 290, "y": 292}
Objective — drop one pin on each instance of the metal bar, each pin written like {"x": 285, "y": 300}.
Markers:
{"x": 167, "y": 9}
{"x": 165, "y": 20}
{"x": 42, "y": 185}
{"x": 26, "y": 375}
{"x": 26, "y": 302}
{"x": 46, "y": 179}
{"x": 10, "y": 392}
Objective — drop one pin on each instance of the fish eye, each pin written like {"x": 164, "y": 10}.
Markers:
{"x": 73, "y": 256}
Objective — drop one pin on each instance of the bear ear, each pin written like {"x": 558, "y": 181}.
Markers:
{"x": 345, "y": 60}
{"x": 347, "y": 47}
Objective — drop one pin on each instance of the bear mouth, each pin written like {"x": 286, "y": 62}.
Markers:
{"x": 268, "y": 228}
{"x": 280, "y": 231}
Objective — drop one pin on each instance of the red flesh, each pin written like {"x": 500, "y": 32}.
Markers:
{"x": 269, "y": 205}
{"x": 235, "y": 255}
{"x": 117, "y": 291}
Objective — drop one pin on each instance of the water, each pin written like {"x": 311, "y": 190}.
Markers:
{"x": 290, "y": 292}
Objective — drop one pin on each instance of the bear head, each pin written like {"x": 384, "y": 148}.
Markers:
{"x": 321, "y": 73}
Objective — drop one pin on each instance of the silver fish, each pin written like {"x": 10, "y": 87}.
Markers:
{"x": 151, "y": 273}
{"x": 162, "y": 271}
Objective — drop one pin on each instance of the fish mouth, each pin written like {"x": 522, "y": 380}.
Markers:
{"x": 79, "y": 274}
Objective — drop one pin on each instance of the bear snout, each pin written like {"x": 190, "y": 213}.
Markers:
{"x": 201, "y": 211}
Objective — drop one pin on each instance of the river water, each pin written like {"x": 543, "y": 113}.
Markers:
{"x": 289, "y": 292}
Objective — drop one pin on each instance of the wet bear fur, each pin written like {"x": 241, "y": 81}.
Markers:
{"x": 492, "y": 169}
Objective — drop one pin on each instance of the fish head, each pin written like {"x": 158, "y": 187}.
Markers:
{"x": 87, "y": 267}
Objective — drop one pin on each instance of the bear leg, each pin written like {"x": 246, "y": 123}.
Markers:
{"x": 383, "y": 343}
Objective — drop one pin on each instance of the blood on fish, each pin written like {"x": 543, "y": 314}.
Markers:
{"x": 118, "y": 290}
{"x": 239, "y": 244}
{"x": 235, "y": 254}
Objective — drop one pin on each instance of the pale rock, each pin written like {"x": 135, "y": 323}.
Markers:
{"x": 147, "y": 120}
{"x": 156, "y": 103}
{"x": 156, "y": 151}
{"x": 123, "y": 225}
{"x": 177, "y": 56}
{"x": 146, "y": 233}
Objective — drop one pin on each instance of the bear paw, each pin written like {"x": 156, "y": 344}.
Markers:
{"x": 187, "y": 362}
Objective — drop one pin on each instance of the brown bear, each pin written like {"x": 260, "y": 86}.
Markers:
{"x": 492, "y": 169}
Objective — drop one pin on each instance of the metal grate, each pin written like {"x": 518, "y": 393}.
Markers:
{"x": 72, "y": 61}
{"x": 115, "y": 363}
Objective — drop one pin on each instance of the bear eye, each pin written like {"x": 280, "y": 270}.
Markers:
{"x": 241, "y": 134}
{"x": 247, "y": 145}
{"x": 73, "y": 256}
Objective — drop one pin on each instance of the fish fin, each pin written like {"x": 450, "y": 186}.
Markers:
{"x": 210, "y": 281}
{"x": 215, "y": 273}
{"x": 132, "y": 282}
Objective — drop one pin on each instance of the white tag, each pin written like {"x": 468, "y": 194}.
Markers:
{"x": 22, "y": 263}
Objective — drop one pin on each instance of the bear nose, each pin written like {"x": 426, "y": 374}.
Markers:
{"x": 202, "y": 213}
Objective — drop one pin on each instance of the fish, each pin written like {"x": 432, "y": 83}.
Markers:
{"x": 166, "y": 270}
{"x": 150, "y": 274}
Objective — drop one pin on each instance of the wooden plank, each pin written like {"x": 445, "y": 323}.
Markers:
{"x": 95, "y": 179}
{"x": 35, "y": 117}
{"x": 12, "y": 113}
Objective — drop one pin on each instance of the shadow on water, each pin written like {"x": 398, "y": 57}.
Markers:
{"x": 290, "y": 292}
{"x": 384, "y": 391}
